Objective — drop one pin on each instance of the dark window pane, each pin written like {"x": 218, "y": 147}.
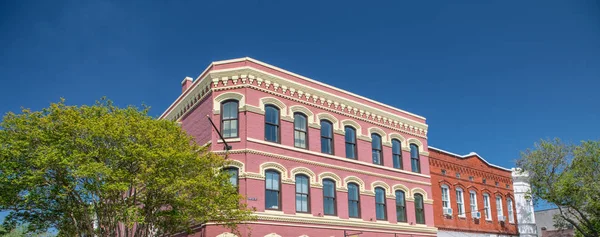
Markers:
{"x": 302, "y": 197}
{"x": 271, "y": 114}
{"x": 397, "y": 154}
{"x": 272, "y": 181}
{"x": 353, "y": 200}
{"x": 350, "y": 139}
{"x": 419, "y": 211}
{"x": 380, "y": 204}
{"x": 326, "y": 145}
{"x": 350, "y": 134}
{"x": 400, "y": 207}
{"x": 326, "y": 128}
{"x": 414, "y": 158}
{"x": 328, "y": 197}
{"x": 300, "y": 130}
{"x": 229, "y": 122}
{"x": 376, "y": 149}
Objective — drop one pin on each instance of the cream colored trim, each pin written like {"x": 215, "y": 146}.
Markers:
{"x": 381, "y": 184}
{"x": 273, "y": 101}
{"x": 228, "y": 96}
{"x": 272, "y": 235}
{"x": 317, "y": 97}
{"x": 275, "y": 166}
{"x": 310, "y": 117}
{"x": 357, "y": 180}
{"x": 237, "y": 164}
{"x": 416, "y": 142}
{"x": 402, "y": 188}
{"x": 379, "y": 131}
{"x": 305, "y": 171}
{"x": 400, "y": 138}
{"x": 227, "y": 234}
{"x": 237, "y": 139}
{"x": 351, "y": 123}
{"x": 419, "y": 190}
{"x": 329, "y": 175}
{"x": 328, "y": 117}
{"x": 353, "y": 223}
{"x": 337, "y": 158}
{"x": 316, "y": 82}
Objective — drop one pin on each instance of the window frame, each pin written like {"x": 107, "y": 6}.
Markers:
{"x": 417, "y": 158}
{"x": 384, "y": 204}
{"x": 397, "y": 155}
{"x": 237, "y": 175}
{"x": 334, "y": 197}
{"x": 473, "y": 202}
{"x": 509, "y": 209}
{"x": 357, "y": 200}
{"x": 460, "y": 202}
{"x": 403, "y": 206}
{"x": 446, "y": 191}
{"x": 419, "y": 210}
{"x": 307, "y": 192}
{"x": 328, "y": 138}
{"x": 499, "y": 207}
{"x": 278, "y": 125}
{"x": 487, "y": 207}
{"x": 354, "y": 144}
{"x": 379, "y": 150}
{"x": 300, "y": 131}
{"x": 237, "y": 117}
{"x": 278, "y": 191}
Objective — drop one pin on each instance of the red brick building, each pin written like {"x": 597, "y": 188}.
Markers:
{"x": 471, "y": 196}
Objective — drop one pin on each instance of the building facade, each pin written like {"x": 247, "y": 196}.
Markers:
{"x": 525, "y": 213}
{"x": 471, "y": 196}
{"x": 312, "y": 159}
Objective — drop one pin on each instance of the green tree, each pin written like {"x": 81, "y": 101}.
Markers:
{"x": 567, "y": 176}
{"x": 109, "y": 171}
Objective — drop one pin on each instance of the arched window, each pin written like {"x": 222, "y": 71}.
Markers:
{"x": 329, "y": 197}
{"x": 300, "y": 131}
{"x": 414, "y": 158}
{"x": 353, "y": 200}
{"x": 376, "y": 149}
{"x": 326, "y": 137}
{"x": 272, "y": 190}
{"x": 380, "y": 212}
{"x": 302, "y": 193}
{"x": 400, "y": 206}
{"x": 419, "y": 209}
{"x": 229, "y": 118}
{"x": 350, "y": 142}
{"x": 397, "y": 153}
{"x": 460, "y": 202}
{"x": 233, "y": 175}
{"x": 509, "y": 206}
{"x": 271, "y": 123}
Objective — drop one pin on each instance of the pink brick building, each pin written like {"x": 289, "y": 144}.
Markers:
{"x": 314, "y": 160}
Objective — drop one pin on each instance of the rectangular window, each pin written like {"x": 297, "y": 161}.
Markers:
{"x": 353, "y": 201}
{"x": 419, "y": 209}
{"x": 414, "y": 159}
{"x": 460, "y": 202}
{"x": 473, "y": 201}
{"x": 302, "y": 189}
{"x": 271, "y": 123}
{"x": 509, "y": 205}
{"x": 376, "y": 149}
{"x": 486, "y": 206}
{"x": 380, "y": 211}
{"x": 445, "y": 197}
{"x": 229, "y": 119}
{"x": 328, "y": 197}
{"x": 397, "y": 154}
{"x": 272, "y": 187}
{"x": 300, "y": 131}
{"x": 400, "y": 206}
{"x": 499, "y": 207}
{"x": 326, "y": 137}
{"x": 350, "y": 138}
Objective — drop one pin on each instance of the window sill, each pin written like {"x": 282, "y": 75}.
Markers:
{"x": 273, "y": 211}
{"x": 230, "y": 140}
{"x": 304, "y": 214}
{"x": 331, "y": 217}
{"x": 462, "y": 217}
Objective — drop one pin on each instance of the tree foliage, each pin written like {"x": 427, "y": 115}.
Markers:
{"x": 567, "y": 176}
{"x": 109, "y": 171}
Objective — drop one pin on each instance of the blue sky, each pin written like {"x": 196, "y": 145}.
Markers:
{"x": 490, "y": 76}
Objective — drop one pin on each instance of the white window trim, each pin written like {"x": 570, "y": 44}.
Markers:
{"x": 447, "y": 189}
{"x": 460, "y": 198}
{"x": 511, "y": 218}
{"x": 471, "y": 202}
{"x": 499, "y": 209}
{"x": 488, "y": 215}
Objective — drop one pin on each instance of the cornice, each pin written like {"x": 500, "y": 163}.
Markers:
{"x": 355, "y": 223}
{"x": 321, "y": 164}
{"x": 337, "y": 158}
{"x": 298, "y": 92}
